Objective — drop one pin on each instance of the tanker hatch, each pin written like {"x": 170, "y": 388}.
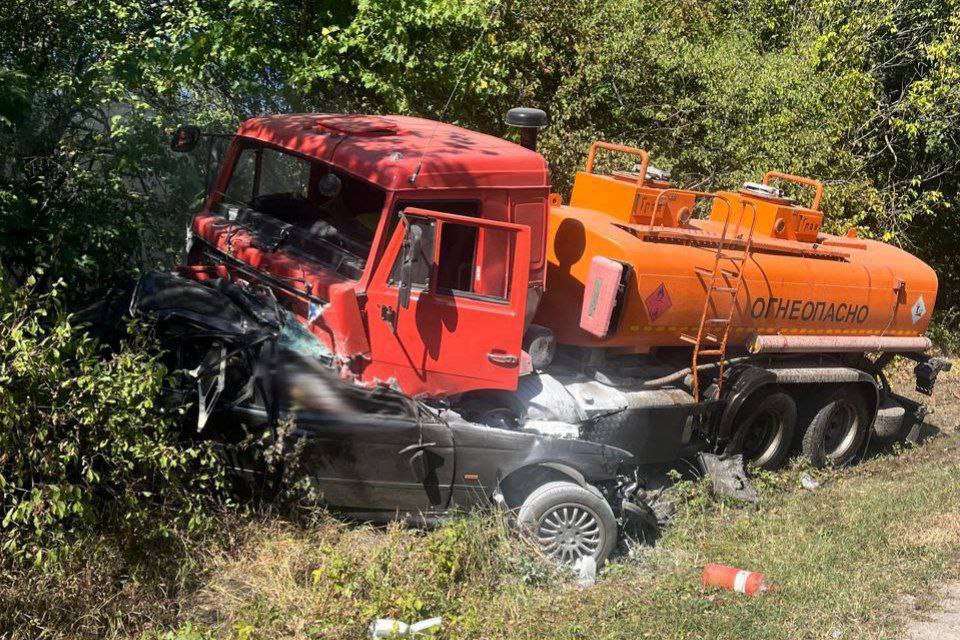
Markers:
{"x": 642, "y": 196}
{"x": 769, "y": 212}
{"x": 763, "y": 191}
{"x": 656, "y": 174}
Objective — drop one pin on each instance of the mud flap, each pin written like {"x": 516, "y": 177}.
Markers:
{"x": 728, "y": 477}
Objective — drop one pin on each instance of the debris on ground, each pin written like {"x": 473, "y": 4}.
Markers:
{"x": 390, "y": 628}
{"x": 728, "y": 477}
{"x": 723, "y": 576}
{"x": 586, "y": 571}
{"x": 808, "y": 482}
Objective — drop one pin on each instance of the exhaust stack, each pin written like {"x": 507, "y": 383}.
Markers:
{"x": 529, "y": 121}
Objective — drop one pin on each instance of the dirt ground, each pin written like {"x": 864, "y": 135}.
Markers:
{"x": 942, "y": 623}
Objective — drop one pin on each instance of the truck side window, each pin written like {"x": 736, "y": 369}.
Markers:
{"x": 474, "y": 261}
{"x": 241, "y": 187}
{"x": 458, "y": 249}
{"x": 421, "y": 266}
{"x": 458, "y": 207}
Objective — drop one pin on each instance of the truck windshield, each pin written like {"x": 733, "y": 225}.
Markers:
{"x": 321, "y": 205}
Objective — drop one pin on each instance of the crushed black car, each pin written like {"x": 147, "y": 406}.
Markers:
{"x": 375, "y": 453}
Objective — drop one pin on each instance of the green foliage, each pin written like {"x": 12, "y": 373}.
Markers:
{"x": 944, "y": 331}
{"x": 331, "y": 580}
{"x": 861, "y": 94}
{"x": 467, "y": 553}
{"x": 71, "y": 221}
{"x": 84, "y": 443}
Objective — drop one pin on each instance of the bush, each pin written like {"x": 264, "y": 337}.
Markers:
{"x": 84, "y": 443}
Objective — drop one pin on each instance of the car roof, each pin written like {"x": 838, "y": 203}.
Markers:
{"x": 389, "y": 150}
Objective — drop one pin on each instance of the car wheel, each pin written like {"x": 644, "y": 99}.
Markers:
{"x": 569, "y": 522}
{"x": 765, "y": 433}
{"x": 837, "y": 430}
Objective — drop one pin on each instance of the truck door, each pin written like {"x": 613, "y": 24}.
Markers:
{"x": 462, "y": 326}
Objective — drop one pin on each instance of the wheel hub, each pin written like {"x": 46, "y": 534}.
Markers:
{"x": 760, "y": 435}
{"x": 841, "y": 430}
{"x": 569, "y": 532}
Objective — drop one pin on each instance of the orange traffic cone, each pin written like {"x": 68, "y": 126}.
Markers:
{"x": 739, "y": 580}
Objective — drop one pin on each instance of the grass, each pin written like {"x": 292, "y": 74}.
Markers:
{"x": 843, "y": 558}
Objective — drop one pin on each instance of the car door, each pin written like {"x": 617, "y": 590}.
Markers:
{"x": 382, "y": 460}
{"x": 463, "y": 325}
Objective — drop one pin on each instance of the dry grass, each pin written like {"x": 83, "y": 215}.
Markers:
{"x": 332, "y": 579}
{"x": 845, "y": 557}
{"x": 841, "y": 556}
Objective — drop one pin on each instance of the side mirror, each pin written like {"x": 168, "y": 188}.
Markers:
{"x": 185, "y": 138}
{"x": 412, "y": 250}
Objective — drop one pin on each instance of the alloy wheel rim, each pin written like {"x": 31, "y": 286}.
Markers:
{"x": 568, "y": 532}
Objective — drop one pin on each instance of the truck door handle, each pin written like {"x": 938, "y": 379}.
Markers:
{"x": 506, "y": 359}
{"x": 420, "y": 446}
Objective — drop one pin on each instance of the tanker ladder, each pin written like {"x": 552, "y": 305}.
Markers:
{"x": 725, "y": 278}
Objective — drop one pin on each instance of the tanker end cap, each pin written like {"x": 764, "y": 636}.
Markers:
{"x": 529, "y": 121}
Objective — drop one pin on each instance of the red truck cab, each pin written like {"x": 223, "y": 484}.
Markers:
{"x": 385, "y": 235}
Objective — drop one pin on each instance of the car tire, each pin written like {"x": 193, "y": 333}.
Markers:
{"x": 838, "y": 429}
{"x": 568, "y": 522}
{"x": 765, "y": 434}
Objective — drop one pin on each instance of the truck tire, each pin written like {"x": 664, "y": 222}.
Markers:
{"x": 540, "y": 343}
{"x": 838, "y": 429}
{"x": 568, "y": 522}
{"x": 498, "y": 409}
{"x": 765, "y": 434}
{"x": 891, "y": 424}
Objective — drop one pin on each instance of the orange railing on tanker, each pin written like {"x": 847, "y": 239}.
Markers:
{"x": 632, "y": 196}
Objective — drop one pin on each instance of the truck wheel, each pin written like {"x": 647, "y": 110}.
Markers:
{"x": 838, "y": 429}
{"x": 765, "y": 435}
{"x": 569, "y": 522}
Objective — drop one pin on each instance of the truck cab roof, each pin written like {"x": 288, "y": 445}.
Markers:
{"x": 402, "y": 152}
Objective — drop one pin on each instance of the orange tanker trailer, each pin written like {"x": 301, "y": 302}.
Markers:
{"x": 760, "y": 259}
{"x": 750, "y": 308}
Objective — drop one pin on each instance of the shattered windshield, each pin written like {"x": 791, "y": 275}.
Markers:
{"x": 329, "y": 215}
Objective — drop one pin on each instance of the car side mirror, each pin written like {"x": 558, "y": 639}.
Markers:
{"x": 185, "y": 138}
{"x": 412, "y": 251}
